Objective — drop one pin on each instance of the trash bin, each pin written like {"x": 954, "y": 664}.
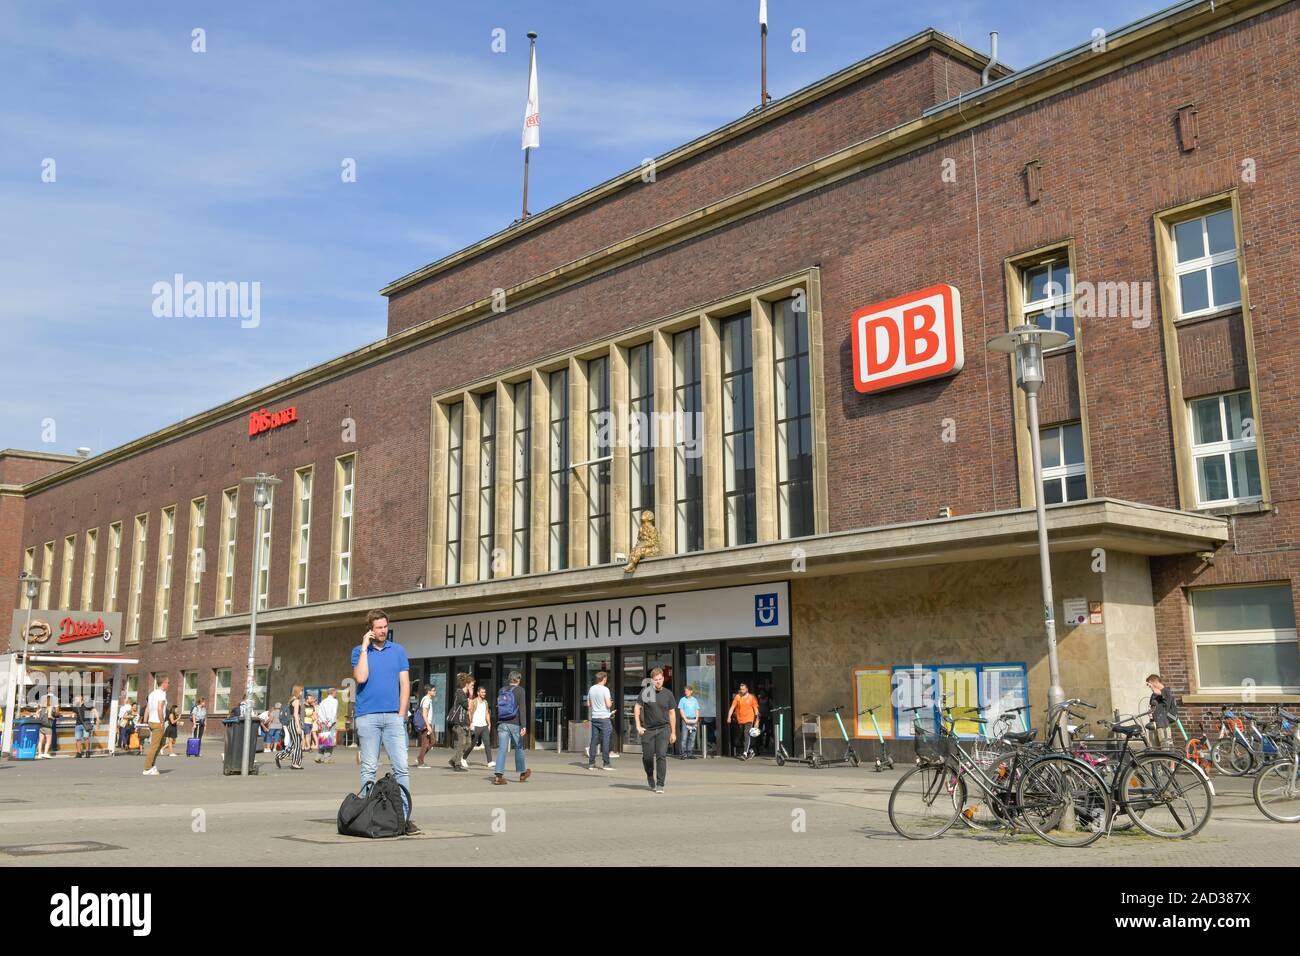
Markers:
{"x": 233, "y": 758}
{"x": 579, "y": 736}
{"x": 27, "y": 736}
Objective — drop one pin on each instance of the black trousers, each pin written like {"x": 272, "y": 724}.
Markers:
{"x": 654, "y": 754}
{"x": 480, "y": 735}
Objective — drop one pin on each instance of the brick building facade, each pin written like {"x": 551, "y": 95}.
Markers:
{"x": 1069, "y": 183}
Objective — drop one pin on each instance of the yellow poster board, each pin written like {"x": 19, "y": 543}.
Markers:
{"x": 959, "y": 688}
{"x": 871, "y": 688}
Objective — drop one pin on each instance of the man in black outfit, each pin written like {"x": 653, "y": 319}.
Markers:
{"x": 656, "y": 725}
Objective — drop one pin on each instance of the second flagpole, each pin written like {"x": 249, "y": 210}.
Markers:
{"x": 529, "y": 115}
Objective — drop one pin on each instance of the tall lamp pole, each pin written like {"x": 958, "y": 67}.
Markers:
{"x": 262, "y": 483}
{"x": 1026, "y": 343}
{"x": 32, "y": 584}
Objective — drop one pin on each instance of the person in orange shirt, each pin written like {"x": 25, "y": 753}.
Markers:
{"x": 744, "y": 709}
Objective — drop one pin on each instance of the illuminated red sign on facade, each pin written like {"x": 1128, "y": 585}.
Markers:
{"x": 71, "y": 631}
{"x": 263, "y": 421}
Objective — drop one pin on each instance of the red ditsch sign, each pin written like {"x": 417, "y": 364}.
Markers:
{"x": 263, "y": 421}
{"x": 71, "y": 631}
{"x": 908, "y": 339}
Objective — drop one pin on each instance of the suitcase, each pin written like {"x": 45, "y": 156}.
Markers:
{"x": 134, "y": 742}
{"x": 192, "y": 747}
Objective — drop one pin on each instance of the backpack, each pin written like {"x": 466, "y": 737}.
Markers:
{"x": 417, "y": 718}
{"x": 507, "y": 709}
{"x": 286, "y": 714}
{"x": 375, "y": 812}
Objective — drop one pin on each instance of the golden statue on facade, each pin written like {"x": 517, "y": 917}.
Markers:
{"x": 647, "y": 542}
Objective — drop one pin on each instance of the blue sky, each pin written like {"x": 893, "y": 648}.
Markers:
{"x": 226, "y": 165}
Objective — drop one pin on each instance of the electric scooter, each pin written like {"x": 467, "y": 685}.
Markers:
{"x": 884, "y": 761}
{"x": 782, "y": 755}
{"x": 850, "y": 755}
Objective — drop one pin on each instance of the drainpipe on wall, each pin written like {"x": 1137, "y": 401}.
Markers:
{"x": 993, "y": 59}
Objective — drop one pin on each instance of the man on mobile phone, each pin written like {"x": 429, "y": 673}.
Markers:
{"x": 383, "y": 676}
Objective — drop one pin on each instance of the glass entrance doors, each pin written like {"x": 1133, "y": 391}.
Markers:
{"x": 637, "y": 665}
{"x": 765, "y": 669}
{"x": 554, "y": 685}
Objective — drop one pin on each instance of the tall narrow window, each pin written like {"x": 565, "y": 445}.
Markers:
{"x": 260, "y": 675}
{"x": 194, "y": 563}
{"x": 794, "y": 446}
{"x": 29, "y": 569}
{"x": 741, "y": 503}
{"x": 302, "y": 480}
{"x": 689, "y": 441}
{"x": 1064, "y": 474}
{"x": 1205, "y": 253}
{"x": 641, "y": 431}
{"x": 522, "y": 499}
{"x": 221, "y": 690}
{"x": 1048, "y": 290}
{"x": 455, "y": 453}
{"x": 47, "y": 573}
{"x": 1224, "y": 449}
{"x": 136, "y": 599}
{"x": 65, "y": 575}
{"x": 113, "y": 567}
{"x": 229, "y": 525}
{"x": 166, "y": 546}
{"x": 559, "y": 460}
{"x": 189, "y": 691}
{"x": 487, "y": 482}
{"x": 346, "y": 478}
{"x": 598, "y": 446}
{"x": 88, "y": 570}
{"x": 264, "y": 562}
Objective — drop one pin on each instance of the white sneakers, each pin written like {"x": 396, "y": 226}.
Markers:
{"x": 151, "y": 772}
{"x": 464, "y": 765}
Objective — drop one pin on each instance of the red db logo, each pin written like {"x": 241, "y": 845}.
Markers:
{"x": 907, "y": 339}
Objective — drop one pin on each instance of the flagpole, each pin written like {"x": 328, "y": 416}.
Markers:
{"x": 762, "y": 28}
{"x": 532, "y": 53}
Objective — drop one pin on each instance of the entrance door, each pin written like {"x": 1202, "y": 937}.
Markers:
{"x": 637, "y": 665}
{"x": 765, "y": 669}
{"x": 554, "y": 688}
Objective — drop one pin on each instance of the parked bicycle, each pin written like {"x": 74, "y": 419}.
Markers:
{"x": 1277, "y": 784}
{"x": 1248, "y": 746}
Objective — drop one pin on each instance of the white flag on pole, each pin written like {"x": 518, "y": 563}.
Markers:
{"x": 762, "y": 12}
{"x": 532, "y": 118}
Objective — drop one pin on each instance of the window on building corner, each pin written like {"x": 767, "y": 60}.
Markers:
{"x": 794, "y": 445}
{"x": 522, "y": 477}
{"x": 455, "y": 452}
{"x": 1205, "y": 264}
{"x": 1224, "y": 450}
{"x": 1245, "y": 637}
{"x": 1048, "y": 296}
{"x": 1064, "y": 472}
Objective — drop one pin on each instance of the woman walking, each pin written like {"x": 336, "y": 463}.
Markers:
{"x": 49, "y": 715}
{"x": 170, "y": 729}
{"x": 199, "y": 717}
{"x": 291, "y": 717}
{"x": 309, "y": 723}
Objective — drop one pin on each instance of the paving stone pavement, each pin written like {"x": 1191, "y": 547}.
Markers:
{"x": 103, "y": 812}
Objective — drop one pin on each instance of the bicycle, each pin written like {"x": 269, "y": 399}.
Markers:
{"x": 1059, "y": 798}
{"x": 1161, "y": 791}
{"x": 1277, "y": 785}
{"x": 1240, "y": 752}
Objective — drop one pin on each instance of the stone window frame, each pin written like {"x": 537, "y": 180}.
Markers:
{"x": 113, "y": 566}
{"x": 29, "y": 569}
{"x": 300, "y": 542}
{"x": 89, "y": 558}
{"x": 341, "y": 550}
{"x": 163, "y": 586}
{"x": 1180, "y": 418}
{"x": 66, "y": 568}
{"x": 263, "y": 595}
{"x": 139, "y": 554}
{"x": 194, "y": 564}
{"x": 47, "y": 572}
{"x": 657, "y": 333}
{"x": 227, "y": 552}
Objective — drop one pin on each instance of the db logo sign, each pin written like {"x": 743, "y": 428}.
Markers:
{"x": 907, "y": 339}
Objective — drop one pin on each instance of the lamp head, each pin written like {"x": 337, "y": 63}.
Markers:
{"x": 1026, "y": 343}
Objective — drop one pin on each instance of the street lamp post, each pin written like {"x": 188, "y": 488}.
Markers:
{"x": 261, "y": 502}
{"x": 1026, "y": 343}
{"x": 32, "y": 584}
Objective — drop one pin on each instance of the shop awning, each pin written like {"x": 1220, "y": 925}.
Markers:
{"x": 78, "y": 659}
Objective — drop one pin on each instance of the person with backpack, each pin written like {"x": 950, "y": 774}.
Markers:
{"x": 383, "y": 675}
{"x": 510, "y": 728}
{"x": 458, "y": 721}
{"x": 422, "y": 720}
{"x": 291, "y": 719}
{"x": 1162, "y": 707}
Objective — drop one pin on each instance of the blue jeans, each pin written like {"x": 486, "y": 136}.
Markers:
{"x": 389, "y": 731}
{"x": 687, "y": 740}
{"x": 602, "y": 732}
{"x": 508, "y": 734}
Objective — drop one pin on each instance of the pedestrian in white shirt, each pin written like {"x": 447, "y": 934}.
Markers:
{"x": 156, "y": 718}
{"x": 327, "y": 715}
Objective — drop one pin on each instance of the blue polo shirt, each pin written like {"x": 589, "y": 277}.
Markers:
{"x": 689, "y": 706}
{"x": 378, "y": 695}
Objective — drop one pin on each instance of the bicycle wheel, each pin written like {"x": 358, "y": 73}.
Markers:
{"x": 1231, "y": 757}
{"x": 1167, "y": 796}
{"x": 1277, "y": 792}
{"x": 853, "y": 757}
{"x": 983, "y": 810}
{"x": 1064, "y": 801}
{"x": 921, "y": 806}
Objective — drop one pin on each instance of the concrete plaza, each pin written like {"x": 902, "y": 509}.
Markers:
{"x": 103, "y": 812}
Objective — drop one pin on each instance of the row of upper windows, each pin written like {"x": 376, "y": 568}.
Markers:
{"x": 1205, "y": 268}
{"x": 196, "y": 565}
{"x": 617, "y": 418}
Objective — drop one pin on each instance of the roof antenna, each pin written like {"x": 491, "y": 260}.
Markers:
{"x": 993, "y": 59}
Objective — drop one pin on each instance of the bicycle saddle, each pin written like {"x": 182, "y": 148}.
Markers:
{"x": 1128, "y": 730}
{"x": 1019, "y": 736}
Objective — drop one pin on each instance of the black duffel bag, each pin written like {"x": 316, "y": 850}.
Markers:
{"x": 377, "y": 811}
